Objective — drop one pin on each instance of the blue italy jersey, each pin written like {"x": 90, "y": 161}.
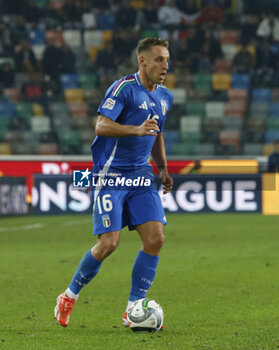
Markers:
{"x": 129, "y": 103}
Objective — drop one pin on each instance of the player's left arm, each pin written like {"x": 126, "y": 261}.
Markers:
{"x": 159, "y": 156}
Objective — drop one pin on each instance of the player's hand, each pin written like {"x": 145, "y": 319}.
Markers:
{"x": 148, "y": 127}
{"x": 167, "y": 182}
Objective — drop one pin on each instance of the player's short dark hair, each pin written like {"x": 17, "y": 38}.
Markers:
{"x": 147, "y": 43}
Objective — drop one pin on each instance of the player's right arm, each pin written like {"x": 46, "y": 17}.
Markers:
{"x": 109, "y": 128}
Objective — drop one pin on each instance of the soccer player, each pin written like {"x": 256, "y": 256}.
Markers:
{"x": 129, "y": 128}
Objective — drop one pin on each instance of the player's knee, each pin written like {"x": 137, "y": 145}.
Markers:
{"x": 155, "y": 242}
{"x": 110, "y": 246}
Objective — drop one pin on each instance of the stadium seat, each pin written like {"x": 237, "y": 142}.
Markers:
{"x": 271, "y": 136}
{"x": 230, "y": 137}
{"x": 24, "y": 111}
{"x": 37, "y": 37}
{"x": 197, "y": 95}
{"x": 70, "y": 137}
{"x": 87, "y": 81}
{"x": 93, "y": 96}
{"x": 183, "y": 149}
{"x": 78, "y": 109}
{"x": 149, "y": 33}
{"x": 38, "y": 51}
{"x": 72, "y": 37}
{"x": 107, "y": 35}
{"x": 179, "y": 96}
{"x": 241, "y": 81}
{"x": 253, "y": 149}
{"x": 259, "y": 109}
{"x": 215, "y": 109}
{"x": 5, "y": 148}
{"x": 58, "y": 108}
{"x": 190, "y": 136}
{"x": 40, "y": 124}
{"x": 229, "y": 36}
{"x": 69, "y": 81}
{"x": 237, "y": 94}
{"x": 196, "y": 108}
{"x": 38, "y": 109}
{"x": 190, "y": 124}
{"x": 223, "y": 66}
{"x": 213, "y": 124}
{"x": 267, "y": 149}
{"x": 235, "y": 108}
{"x": 272, "y": 124}
{"x": 13, "y": 94}
{"x": 48, "y": 148}
{"x": 93, "y": 51}
{"x": 81, "y": 122}
{"x": 61, "y": 123}
{"x": 106, "y": 21}
{"x": 221, "y": 81}
{"x": 73, "y": 95}
{"x": 92, "y": 38}
{"x": 229, "y": 51}
{"x": 7, "y": 109}
{"x": 274, "y": 109}
{"x": 262, "y": 95}
{"x": 275, "y": 95}
{"x": 170, "y": 81}
{"x": 171, "y": 136}
{"x": 233, "y": 123}
{"x": 202, "y": 81}
{"x": 256, "y": 124}
{"x": 204, "y": 149}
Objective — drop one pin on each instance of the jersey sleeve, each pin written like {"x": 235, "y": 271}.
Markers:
{"x": 112, "y": 104}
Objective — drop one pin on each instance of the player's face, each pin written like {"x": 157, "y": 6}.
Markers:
{"x": 156, "y": 64}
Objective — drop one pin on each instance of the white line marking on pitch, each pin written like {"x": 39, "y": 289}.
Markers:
{"x": 20, "y": 228}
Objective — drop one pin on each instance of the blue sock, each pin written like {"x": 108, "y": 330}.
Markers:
{"x": 87, "y": 269}
{"x": 143, "y": 274}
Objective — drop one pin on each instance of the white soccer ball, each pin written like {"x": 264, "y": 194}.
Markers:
{"x": 145, "y": 315}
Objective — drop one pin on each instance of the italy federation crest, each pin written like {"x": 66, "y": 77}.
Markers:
{"x": 164, "y": 107}
{"x": 106, "y": 220}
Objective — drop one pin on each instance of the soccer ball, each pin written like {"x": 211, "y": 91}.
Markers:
{"x": 145, "y": 315}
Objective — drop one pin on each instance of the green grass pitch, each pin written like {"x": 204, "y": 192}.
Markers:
{"x": 217, "y": 282}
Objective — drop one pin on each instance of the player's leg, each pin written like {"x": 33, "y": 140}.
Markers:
{"x": 86, "y": 271}
{"x": 147, "y": 216}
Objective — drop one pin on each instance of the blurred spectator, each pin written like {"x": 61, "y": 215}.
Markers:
{"x": 125, "y": 16}
{"x": 170, "y": 16}
{"x": 273, "y": 160}
{"x": 31, "y": 11}
{"x": 243, "y": 60}
{"x": 69, "y": 59}
{"x": 123, "y": 43}
{"x": 6, "y": 47}
{"x": 72, "y": 11}
{"x": 269, "y": 28}
{"x": 53, "y": 60}
{"x": 211, "y": 14}
{"x": 266, "y": 57}
{"x": 183, "y": 58}
{"x": 214, "y": 50}
{"x": 7, "y": 75}
{"x": 88, "y": 18}
{"x": 223, "y": 4}
{"x": 148, "y": 17}
{"x": 105, "y": 61}
{"x": 190, "y": 10}
{"x": 195, "y": 40}
{"x": 24, "y": 58}
{"x": 19, "y": 33}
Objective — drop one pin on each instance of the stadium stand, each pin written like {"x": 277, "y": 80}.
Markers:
{"x": 219, "y": 108}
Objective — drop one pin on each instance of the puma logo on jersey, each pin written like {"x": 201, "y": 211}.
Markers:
{"x": 143, "y": 105}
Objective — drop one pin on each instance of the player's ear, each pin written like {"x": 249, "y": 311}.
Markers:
{"x": 141, "y": 60}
